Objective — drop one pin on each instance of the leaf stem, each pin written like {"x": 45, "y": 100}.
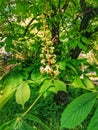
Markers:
{"x": 31, "y": 105}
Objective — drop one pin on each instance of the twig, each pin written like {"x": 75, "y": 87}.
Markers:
{"x": 27, "y": 27}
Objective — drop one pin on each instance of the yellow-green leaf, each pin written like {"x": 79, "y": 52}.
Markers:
{"x": 46, "y": 84}
{"x": 10, "y": 83}
{"x": 22, "y": 93}
{"x": 88, "y": 83}
{"x": 59, "y": 85}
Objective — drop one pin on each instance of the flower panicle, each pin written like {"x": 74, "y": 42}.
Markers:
{"x": 47, "y": 56}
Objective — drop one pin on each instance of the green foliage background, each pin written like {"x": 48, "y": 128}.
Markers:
{"x": 26, "y": 28}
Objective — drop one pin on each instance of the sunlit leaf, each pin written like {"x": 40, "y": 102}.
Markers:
{"x": 10, "y": 84}
{"x": 59, "y": 85}
{"x": 88, "y": 83}
{"x": 77, "y": 83}
{"x": 22, "y": 93}
{"x": 46, "y": 84}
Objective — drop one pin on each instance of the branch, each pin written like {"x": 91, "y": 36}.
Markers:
{"x": 87, "y": 14}
{"x": 27, "y": 27}
{"x": 83, "y": 5}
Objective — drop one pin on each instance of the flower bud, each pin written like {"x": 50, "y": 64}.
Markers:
{"x": 48, "y": 69}
{"x": 48, "y": 56}
{"x": 52, "y": 61}
{"x": 42, "y": 69}
{"x": 56, "y": 72}
{"x": 41, "y": 56}
{"x": 43, "y": 61}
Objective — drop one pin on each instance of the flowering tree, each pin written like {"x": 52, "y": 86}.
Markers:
{"x": 45, "y": 39}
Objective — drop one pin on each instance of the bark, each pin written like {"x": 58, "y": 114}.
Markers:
{"x": 88, "y": 14}
{"x": 56, "y": 25}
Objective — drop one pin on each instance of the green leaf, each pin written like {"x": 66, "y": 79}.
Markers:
{"x": 81, "y": 46}
{"x": 59, "y": 85}
{"x": 62, "y": 65}
{"x": 74, "y": 43}
{"x": 26, "y": 126}
{"x": 22, "y": 93}
{"x": 10, "y": 83}
{"x": 93, "y": 125}
{"x": 85, "y": 40}
{"x": 72, "y": 67}
{"x": 24, "y": 74}
{"x": 16, "y": 124}
{"x": 52, "y": 89}
{"x": 37, "y": 77}
{"x": 7, "y": 125}
{"x": 37, "y": 120}
{"x": 8, "y": 42}
{"x": 46, "y": 84}
{"x": 56, "y": 86}
{"x": 35, "y": 74}
{"x": 21, "y": 7}
{"x": 77, "y": 110}
{"x": 88, "y": 83}
{"x": 77, "y": 83}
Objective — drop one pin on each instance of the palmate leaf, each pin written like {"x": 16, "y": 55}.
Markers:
{"x": 77, "y": 110}
{"x": 93, "y": 125}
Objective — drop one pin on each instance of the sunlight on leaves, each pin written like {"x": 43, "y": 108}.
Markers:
{"x": 22, "y": 94}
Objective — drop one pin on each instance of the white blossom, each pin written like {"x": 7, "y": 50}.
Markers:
{"x": 42, "y": 69}
{"x": 51, "y": 48}
{"x": 56, "y": 72}
{"x": 43, "y": 61}
{"x": 48, "y": 56}
{"x": 54, "y": 56}
{"x": 41, "y": 56}
{"x": 52, "y": 61}
{"x": 48, "y": 69}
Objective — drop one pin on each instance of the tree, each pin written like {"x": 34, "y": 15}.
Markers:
{"x": 71, "y": 23}
{"x": 45, "y": 38}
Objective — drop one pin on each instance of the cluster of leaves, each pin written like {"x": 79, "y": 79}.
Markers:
{"x": 18, "y": 82}
{"x": 73, "y": 28}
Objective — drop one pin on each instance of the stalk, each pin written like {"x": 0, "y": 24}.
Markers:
{"x": 32, "y": 105}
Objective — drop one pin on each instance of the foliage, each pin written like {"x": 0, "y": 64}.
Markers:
{"x": 78, "y": 110}
{"x": 44, "y": 40}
